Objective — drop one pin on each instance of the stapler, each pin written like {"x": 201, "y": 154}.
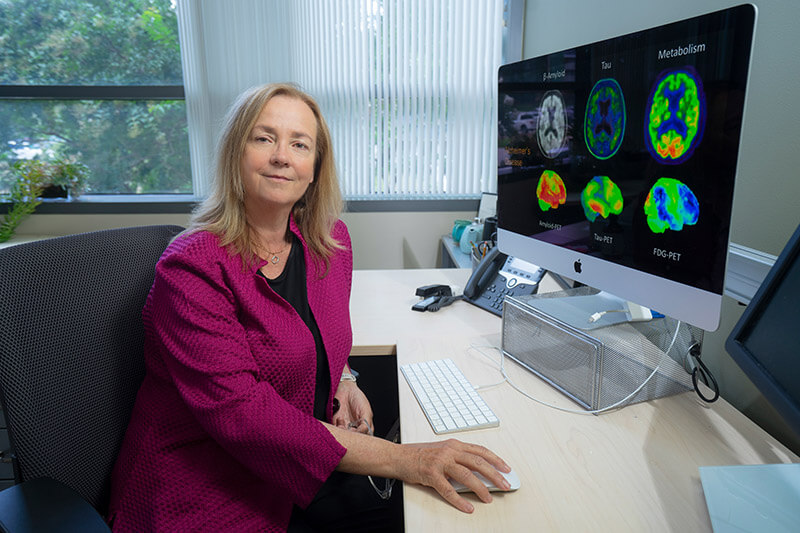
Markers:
{"x": 431, "y": 296}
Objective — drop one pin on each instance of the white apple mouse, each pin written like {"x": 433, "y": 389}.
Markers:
{"x": 511, "y": 477}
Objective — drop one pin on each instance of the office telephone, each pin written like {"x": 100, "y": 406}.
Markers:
{"x": 498, "y": 275}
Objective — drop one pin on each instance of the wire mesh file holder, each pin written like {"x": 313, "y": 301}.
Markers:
{"x": 599, "y": 368}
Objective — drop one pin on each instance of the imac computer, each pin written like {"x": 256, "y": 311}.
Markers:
{"x": 617, "y": 161}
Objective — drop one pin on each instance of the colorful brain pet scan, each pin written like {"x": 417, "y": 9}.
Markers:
{"x": 550, "y": 191}
{"x": 675, "y": 115}
{"x": 601, "y": 196}
{"x": 551, "y": 130}
{"x": 670, "y": 204}
{"x": 604, "y": 123}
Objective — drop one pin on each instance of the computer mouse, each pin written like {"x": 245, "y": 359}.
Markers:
{"x": 511, "y": 477}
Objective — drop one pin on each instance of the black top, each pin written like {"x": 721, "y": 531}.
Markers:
{"x": 291, "y": 286}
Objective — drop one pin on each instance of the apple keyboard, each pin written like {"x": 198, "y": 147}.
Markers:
{"x": 447, "y": 398}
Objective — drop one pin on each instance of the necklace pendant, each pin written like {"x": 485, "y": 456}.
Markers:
{"x": 274, "y": 259}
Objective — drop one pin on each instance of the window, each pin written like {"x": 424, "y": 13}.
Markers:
{"x": 407, "y": 86}
{"x": 98, "y": 83}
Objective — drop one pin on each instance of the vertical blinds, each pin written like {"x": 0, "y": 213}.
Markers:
{"x": 407, "y": 86}
{"x": 408, "y": 89}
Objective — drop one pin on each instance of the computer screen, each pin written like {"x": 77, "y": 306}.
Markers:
{"x": 617, "y": 161}
{"x": 765, "y": 340}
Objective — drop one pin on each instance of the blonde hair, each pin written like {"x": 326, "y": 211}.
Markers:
{"x": 223, "y": 212}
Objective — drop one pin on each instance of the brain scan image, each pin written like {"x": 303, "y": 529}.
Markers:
{"x": 675, "y": 115}
{"x": 601, "y": 196}
{"x": 551, "y": 131}
{"x": 670, "y": 204}
{"x": 550, "y": 191}
{"x": 604, "y": 123}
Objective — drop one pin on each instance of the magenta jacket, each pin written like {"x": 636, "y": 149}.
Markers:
{"x": 222, "y": 436}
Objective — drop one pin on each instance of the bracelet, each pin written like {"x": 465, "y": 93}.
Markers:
{"x": 347, "y": 376}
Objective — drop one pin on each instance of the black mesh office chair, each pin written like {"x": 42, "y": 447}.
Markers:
{"x": 71, "y": 362}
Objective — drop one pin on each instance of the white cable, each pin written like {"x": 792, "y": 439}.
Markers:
{"x": 501, "y": 367}
{"x": 596, "y": 316}
{"x": 490, "y": 385}
{"x": 574, "y": 411}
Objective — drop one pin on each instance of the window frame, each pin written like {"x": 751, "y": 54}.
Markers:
{"x": 104, "y": 203}
{"x": 92, "y": 92}
{"x": 177, "y": 204}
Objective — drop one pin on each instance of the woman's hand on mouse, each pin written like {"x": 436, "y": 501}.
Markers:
{"x": 434, "y": 464}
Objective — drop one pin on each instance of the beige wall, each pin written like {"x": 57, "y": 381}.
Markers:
{"x": 399, "y": 240}
{"x": 380, "y": 240}
{"x": 47, "y": 225}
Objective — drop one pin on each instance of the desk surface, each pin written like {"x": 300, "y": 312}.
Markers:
{"x": 634, "y": 469}
{"x": 380, "y": 309}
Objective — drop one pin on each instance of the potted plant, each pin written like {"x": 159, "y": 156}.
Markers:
{"x": 38, "y": 179}
{"x": 62, "y": 179}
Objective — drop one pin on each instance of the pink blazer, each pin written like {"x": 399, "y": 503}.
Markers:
{"x": 222, "y": 436}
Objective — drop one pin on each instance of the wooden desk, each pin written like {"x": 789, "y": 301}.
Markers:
{"x": 380, "y": 309}
{"x": 634, "y": 469}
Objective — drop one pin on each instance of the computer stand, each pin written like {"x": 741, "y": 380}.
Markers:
{"x": 600, "y": 363}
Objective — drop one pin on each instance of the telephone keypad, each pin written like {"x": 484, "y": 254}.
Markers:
{"x": 508, "y": 280}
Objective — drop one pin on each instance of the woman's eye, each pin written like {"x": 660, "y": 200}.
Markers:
{"x": 301, "y": 146}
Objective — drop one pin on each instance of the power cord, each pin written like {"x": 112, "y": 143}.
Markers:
{"x": 574, "y": 411}
{"x": 700, "y": 369}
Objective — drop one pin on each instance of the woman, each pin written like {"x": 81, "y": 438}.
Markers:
{"x": 247, "y": 408}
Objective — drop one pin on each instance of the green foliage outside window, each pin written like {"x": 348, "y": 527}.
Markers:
{"x": 34, "y": 179}
{"x": 129, "y": 146}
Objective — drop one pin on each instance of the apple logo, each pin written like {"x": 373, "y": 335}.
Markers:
{"x": 577, "y": 266}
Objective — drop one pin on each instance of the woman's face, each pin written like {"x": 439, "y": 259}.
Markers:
{"x": 278, "y": 160}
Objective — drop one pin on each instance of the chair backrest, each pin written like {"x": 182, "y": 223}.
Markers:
{"x": 71, "y": 340}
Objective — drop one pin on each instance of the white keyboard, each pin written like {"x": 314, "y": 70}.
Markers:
{"x": 449, "y": 401}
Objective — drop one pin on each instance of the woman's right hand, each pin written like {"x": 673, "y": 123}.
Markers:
{"x": 433, "y": 464}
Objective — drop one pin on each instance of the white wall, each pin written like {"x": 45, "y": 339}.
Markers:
{"x": 380, "y": 240}
{"x": 768, "y": 182}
